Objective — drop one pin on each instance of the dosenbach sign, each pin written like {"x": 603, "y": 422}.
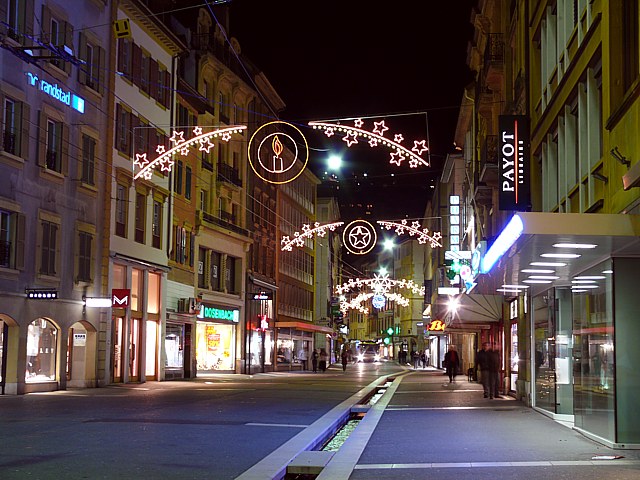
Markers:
{"x": 514, "y": 163}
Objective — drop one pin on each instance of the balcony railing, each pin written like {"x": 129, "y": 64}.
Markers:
{"x": 225, "y": 220}
{"x": 226, "y": 173}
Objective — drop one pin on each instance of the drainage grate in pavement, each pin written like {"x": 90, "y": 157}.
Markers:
{"x": 334, "y": 444}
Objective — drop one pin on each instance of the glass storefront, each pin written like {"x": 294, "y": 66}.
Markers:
{"x": 215, "y": 347}
{"x": 174, "y": 346}
{"x": 593, "y": 329}
{"x": 544, "y": 327}
{"x": 515, "y": 359}
{"x": 42, "y": 338}
{"x": 290, "y": 345}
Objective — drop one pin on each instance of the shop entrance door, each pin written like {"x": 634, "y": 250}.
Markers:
{"x": 118, "y": 350}
{"x": 134, "y": 350}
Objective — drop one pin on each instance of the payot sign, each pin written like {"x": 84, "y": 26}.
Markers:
{"x": 514, "y": 163}
{"x": 54, "y": 91}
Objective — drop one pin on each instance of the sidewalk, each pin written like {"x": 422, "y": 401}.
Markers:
{"x": 424, "y": 427}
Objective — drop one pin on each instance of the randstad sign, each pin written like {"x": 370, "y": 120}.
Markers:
{"x": 54, "y": 91}
{"x": 215, "y": 313}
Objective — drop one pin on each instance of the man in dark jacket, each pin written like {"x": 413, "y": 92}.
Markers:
{"x": 494, "y": 372}
{"x": 482, "y": 363}
{"x": 452, "y": 363}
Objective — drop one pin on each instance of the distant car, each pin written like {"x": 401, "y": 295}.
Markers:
{"x": 369, "y": 353}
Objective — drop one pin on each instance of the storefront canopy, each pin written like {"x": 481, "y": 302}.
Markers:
{"x": 552, "y": 249}
{"x": 305, "y": 327}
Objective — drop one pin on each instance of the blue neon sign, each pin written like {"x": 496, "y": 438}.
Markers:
{"x": 54, "y": 91}
{"x": 505, "y": 240}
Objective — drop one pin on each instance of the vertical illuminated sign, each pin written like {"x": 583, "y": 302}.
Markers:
{"x": 514, "y": 163}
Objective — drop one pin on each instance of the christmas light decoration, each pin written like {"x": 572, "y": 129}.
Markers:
{"x": 376, "y": 137}
{"x": 359, "y": 237}
{"x": 423, "y": 235}
{"x": 356, "y": 302}
{"x": 288, "y": 243}
{"x": 276, "y": 154}
{"x": 182, "y": 146}
{"x": 379, "y": 284}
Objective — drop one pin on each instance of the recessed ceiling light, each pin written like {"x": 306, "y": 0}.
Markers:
{"x": 560, "y": 255}
{"x": 583, "y": 281}
{"x": 607, "y": 271}
{"x": 515, "y": 286}
{"x": 574, "y": 245}
{"x": 548, "y": 264}
{"x": 578, "y": 291}
{"x": 536, "y": 281}
{"x": 544, "y": 277}
{"x": 537, "y": 270}
{"x": 509, "y": 290}
{"x": 584, "y": 286}
{"x": 589, "y": 277}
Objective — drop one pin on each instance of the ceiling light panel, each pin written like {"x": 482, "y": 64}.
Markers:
{"x": 574, "y": 245}
{"x": 548, "y": 264}
{"x": 560, "y": 255}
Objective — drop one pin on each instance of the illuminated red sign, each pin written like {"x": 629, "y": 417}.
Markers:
{"x": 120, "y": 297}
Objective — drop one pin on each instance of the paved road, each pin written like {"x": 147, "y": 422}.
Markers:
{"x": 213, "y": 428}
{"x": 235, "y": 426}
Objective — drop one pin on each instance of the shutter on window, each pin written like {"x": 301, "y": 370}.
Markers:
{"x": 135, "y": 123}
{"x": 121, "y": 48}
{"x": 46, "y": 24}
{"x": 153, "y": 78}
{"x": 1, "y": 118}
{"x": 29, "y": 18}
{"x": 101, "y": 70}
{"x": 166, "y": 91}
{"x": 65, "y": 150}
{"x": 42, "y": 138}
{"x": 19, "y": 263}
{"x": 137, "y": 63}
{"x": 25, "y": 138}
{"x": 117, "y": 132}
{"x": 3, "y": 16}
{"x": 68, "y": 41}
{"x": 82, "y": 54}
{"x": 56, "y": 240}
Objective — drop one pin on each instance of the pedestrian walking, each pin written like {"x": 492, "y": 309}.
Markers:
{"x": 423, "y": 359}
{"x": 451, "y": 363}
{"x": 414, "y": 358}
{"x": 482, "y": 363}
{"x": 345, "y": 359}
{"x": 494, "y": 372}
{"x": 323, "y": 360}
{"x": 314, "y": 360}
{"x": 302, "y": 358}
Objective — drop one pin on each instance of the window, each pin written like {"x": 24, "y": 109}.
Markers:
{"x": 230, "y": 275}
{"x": 192, "y": 244}
{"x": 42, "y": 340}
{"x": 92, "y": 72}
{"x": 11, "y": 122}
{"x": 235, "y": 114}
{"x": 187, "y": 183}
{"x": 54, "y": 146}
{"x": 124, "y": 57}
{"x": 181, "y": 239}
{"x": 177, "y": 186}
{"x": 630, "y": 42}
{"x": 88, "y": 159}
{"x": 140, "y": 217}
{"x": 216, "y": 264}
{"x": 123, "y": 130}
{"x": 157, "y": 224}
{"x": 202, "y": 263}
{"x": 121, "y": 211}
{"x": 48, "y": 257}
{"x": 203, "y": 200}
{"x": 18, "y": 12}
{"x": 144, "y": 73}
{"x": 84, "y": 256}
{"x": 11, "y": 240}
{"x": 55, "y": 38}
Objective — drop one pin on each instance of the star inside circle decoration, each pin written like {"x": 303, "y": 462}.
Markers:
{"x": 359, "y": 237}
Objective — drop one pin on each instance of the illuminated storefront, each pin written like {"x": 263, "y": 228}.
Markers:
{"x": 216, "y": 331}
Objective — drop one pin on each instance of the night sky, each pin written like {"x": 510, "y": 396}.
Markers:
{"x": 353, "y": 58}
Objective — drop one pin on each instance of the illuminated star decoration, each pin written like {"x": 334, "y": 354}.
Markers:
{"x": 287, "y": 243}
{"x": 376, "y": 138}
{"x": 379, "y": 285}
{"x": 182, "y": 146}
{"x": 415, "y": 229}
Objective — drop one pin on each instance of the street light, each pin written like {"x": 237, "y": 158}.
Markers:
{"x": 334, "y": 162}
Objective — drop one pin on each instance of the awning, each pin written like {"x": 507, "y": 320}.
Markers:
{"x": 477, "y": 308}
{"x": 527, "y": 262}
{"x": 305, "y": 327}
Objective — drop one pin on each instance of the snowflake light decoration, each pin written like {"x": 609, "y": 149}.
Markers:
{"x": 287, "y": 243}
{"x": 356, "y": 302}
{"x": 414, "y": 229}
{"x": 376, "y": 137}
{"x": 381, "y": 284}
{"x": 181, "y": 146}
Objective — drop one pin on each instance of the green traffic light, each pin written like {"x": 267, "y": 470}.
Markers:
{"x": 386, "y": 341}
{"x": 390, "y": 330}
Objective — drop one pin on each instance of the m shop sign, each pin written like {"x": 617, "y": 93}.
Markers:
{"x": 120, "y": 297}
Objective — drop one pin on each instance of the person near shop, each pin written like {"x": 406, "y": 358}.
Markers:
{"x": 302, "y": 358}
{"x": 414, "y": 358}
{"x": 451, "y": 363}
{"x": 323, "y": 360}
{"x": 314, "y": 360}
{"x": 345, "y": 359}
{"x": 423, "y": 359}
{"x": 482, "y": 364}
{"x": 494, "y": 372}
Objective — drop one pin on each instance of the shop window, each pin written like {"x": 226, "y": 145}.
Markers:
{"x": 136, "y": 290}
{"x": 41, "y": 351}
{"x": 174, "y": 346}
{"x": 153, "y": 293}
{"x": 215, "y": 347}
{"x": 151, "y": 349}
{"x": 119, "y": 276}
